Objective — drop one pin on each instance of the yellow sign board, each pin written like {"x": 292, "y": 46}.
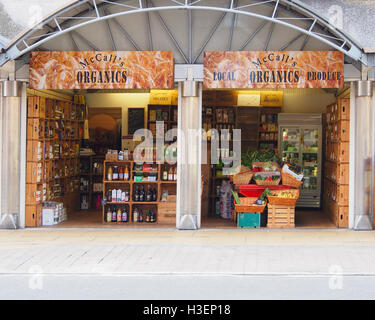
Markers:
{"x": 271, "y": 98}
{"x": 164, "y": 97}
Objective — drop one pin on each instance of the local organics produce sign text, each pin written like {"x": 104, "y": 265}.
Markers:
{"x": 273, "y": 69}
{"x": 101, "y": 70}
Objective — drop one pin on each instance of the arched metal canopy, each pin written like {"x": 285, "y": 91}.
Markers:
{"x": 188, "y": 27}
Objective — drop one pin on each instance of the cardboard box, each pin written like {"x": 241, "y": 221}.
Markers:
{"x": 48, "y": 216}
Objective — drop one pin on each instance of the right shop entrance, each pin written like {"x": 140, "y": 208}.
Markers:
{"x": 307, "y": 128}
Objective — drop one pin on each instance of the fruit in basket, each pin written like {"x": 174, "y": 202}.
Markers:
{"x": 285, "y": 194}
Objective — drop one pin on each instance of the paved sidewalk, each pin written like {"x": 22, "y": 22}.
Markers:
{"x": 173, "y": 252}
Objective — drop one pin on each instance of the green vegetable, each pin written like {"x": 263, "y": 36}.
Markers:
{"x": 253, "y": 155}
{"x": 235, "y": 196}
{"x": 264, "y": 195}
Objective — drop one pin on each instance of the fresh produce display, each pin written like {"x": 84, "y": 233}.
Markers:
{"x": 264, "y": 195}
{"x": 284, "y": 194}
{"x": 255, "y": 156}
{"x": 269, "y": 166}
{"x": 265, "y": 178}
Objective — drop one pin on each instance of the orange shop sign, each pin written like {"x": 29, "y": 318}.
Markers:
{"x": 101, "y": 70}
{"x": 273, "y": 69}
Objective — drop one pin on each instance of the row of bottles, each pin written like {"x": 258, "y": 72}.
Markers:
{"x": 138, "y": 215}
{"x": 122, "y": 215}
{"x": 140, "y": 195}
{"x": 117, "y": 215}
{"x": 118, "y": 195}
{"x": 116, "y": 173}
{"x": 169, "y": 175}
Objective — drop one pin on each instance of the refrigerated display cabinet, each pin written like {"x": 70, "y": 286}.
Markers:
{"x": 300, "y": 137}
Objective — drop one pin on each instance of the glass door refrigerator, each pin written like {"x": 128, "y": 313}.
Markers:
{"x": 300, "y": 137}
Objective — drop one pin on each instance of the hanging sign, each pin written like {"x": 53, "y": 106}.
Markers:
{"x": 273, "y": 69}
{"x": 101, "y": 70}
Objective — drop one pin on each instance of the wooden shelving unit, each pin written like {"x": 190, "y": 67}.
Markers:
{"x": 268, "y": 128}
{"x": 89, "y": 174}
{"x": 54, "y": 133}
{"x": 166, "y": 113}
{"x": 160, "y": 185}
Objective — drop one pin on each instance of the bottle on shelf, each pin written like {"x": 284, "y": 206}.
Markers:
{"x": 109, "y": 215}
{"x": 165, "y": 174}
{"x": 114, "y": 215}
{"x": 126, "y": 173}
{"x": 175, "y": 173}
{"x": 135, "y": 214}
{"x": 124, "y": 217}
{"x": 110, "y": 173}
{"x": 140, "y": 216}
{"x": 136, "y": 194}
{"x": 154, "y": 194}
{"x": 119, "y": 215}
{"x": 121, "y": 173}
{"x": 170, "y": 174}
{"x": 149, "y": 194}
{"x": 142, "y": 194}
{"x": 127, "y": 196}
{"x": 115, "y": 173}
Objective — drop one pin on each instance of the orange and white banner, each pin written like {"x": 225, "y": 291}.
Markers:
{"x": 101, "y": 70}
{"x": 273, "y": 69}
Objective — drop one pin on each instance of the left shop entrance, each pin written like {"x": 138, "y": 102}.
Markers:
{"x": 80, "y": 166}
{"x": 93, "y": 130}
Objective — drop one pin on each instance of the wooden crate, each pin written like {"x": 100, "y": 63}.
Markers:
{"x": 337, "y": 151}
{"x": 343, "y": 109}
{"x": 166, "y": 212}
{"x": 36, "y": 107}
{"x": 339, "y": 214}
{"x": 34, "y": 172}
{"x": 280, "y": 216}
{"x": 337, "y": 193}
{"x": 34, "y": 151}
{"x": 339, "y": 131}
{"x": 337, "y": 172}
{"x": 33, "y": 194}
{"x": 32, "y": 129}
{"x": 33, "y": 216}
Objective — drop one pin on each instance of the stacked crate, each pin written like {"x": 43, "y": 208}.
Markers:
{"x": 336, "y": 167}
{"x": 36, "y": 188}
{"x": 54, "y": 131}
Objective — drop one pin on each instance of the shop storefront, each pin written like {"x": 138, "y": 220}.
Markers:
{"x": 80, "y": 111}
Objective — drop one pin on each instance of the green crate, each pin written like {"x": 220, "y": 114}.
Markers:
{"x": 248, "y": 220}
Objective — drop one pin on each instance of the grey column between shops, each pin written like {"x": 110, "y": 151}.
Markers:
{"x": 189, "y": 155}
{"x": 364, "y": 154}
{"x": 13, "y": 161}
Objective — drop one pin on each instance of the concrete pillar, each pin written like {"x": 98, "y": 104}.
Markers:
{"x": 189, "y": 155}
{"x": 13, "y": 161}
{"x": 364, "y": 101}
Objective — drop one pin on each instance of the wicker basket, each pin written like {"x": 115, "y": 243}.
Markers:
{"x": 284, "y": 201}
{"x": 247, "y": 205}
{"x": 290, "y": 181}
{"x": 243, "y": 177}
{"x": 267, "y": 183}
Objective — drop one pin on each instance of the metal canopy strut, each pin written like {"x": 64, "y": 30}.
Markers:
{"x": 91, "y": 11}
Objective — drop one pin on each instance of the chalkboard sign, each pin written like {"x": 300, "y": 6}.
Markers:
{"x": 136, "y": 119}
